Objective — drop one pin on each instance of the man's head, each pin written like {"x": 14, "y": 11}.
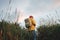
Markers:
{"x": 30, "y": 16}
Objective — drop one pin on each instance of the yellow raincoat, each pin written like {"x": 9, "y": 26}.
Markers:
{"x": 32, "y": 27}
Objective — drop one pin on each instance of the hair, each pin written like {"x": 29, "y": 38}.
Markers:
{"x": 30, "y": 16}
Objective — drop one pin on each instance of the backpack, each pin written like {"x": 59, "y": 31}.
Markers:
{"x": 27, "y": 23}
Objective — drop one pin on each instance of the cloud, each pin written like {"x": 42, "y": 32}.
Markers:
{"x": 39, "y": 7}
{"x": 42, "y": 5}
{"x": 33, "y": 7}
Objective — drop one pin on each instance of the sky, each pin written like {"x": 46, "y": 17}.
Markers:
{"x": 40, "y": 9}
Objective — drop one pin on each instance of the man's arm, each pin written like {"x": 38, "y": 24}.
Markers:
{"x": 34, "y": 22}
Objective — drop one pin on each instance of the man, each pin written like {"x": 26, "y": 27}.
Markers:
{"x": 32, "y": 28}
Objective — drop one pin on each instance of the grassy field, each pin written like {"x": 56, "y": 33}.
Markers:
{"x": 12, "y": 31}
